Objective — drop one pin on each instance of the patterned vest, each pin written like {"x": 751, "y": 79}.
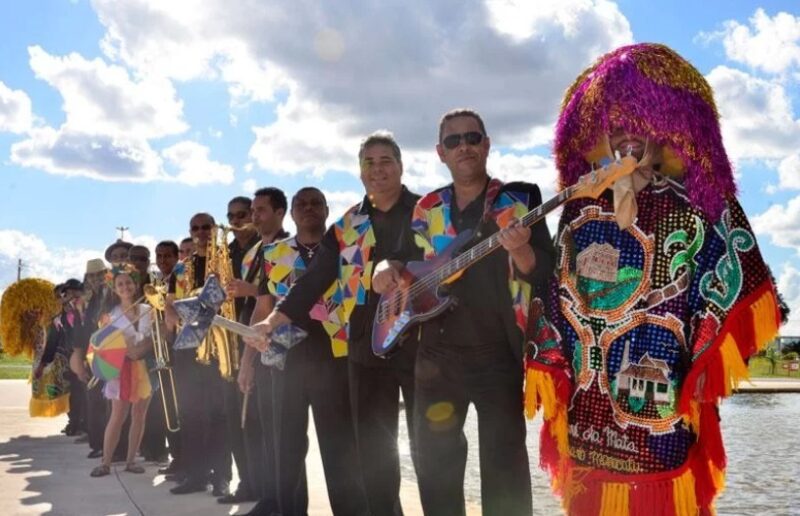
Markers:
{"x": 434, "y": 232}
{"x": 356, "y": 240}
{"x": 283, "y": 265}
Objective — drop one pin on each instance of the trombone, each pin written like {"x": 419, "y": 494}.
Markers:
{"x": 155, "y": 297}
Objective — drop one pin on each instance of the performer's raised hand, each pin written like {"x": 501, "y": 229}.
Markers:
{"x": 240, "y": 288}
{"x": 387, "y": 276}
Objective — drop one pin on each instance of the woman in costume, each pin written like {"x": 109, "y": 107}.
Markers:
{"x": 660, "y": 296}
{"x": 28, "y": 315}
{"x": 133, "y": 388}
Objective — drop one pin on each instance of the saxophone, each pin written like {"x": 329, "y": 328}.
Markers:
{"x": 219, "y": 343}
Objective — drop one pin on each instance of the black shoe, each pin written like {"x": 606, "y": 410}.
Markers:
{"x": 173, "y": 467}
{"x": 237, "y": 497}
{"x": 189, "y": 486}
{"x": 220, "y": 489}
{"x": 95, "y": 454}
{"x": 262, "y": 508}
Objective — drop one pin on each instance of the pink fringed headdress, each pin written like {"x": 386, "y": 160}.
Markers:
{"x": 649, "y": 90}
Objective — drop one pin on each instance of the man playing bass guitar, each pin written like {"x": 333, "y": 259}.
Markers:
{"x": 473, "y": 352}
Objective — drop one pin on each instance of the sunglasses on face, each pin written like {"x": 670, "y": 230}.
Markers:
{"x": 204, "y": 227}
{"x": 139, "y": 258}
{"x": 454, "y": 140}
{"x": 238, "y": 215}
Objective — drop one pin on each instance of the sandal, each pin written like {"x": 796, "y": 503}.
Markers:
{"x": 134, "y": 468}
{"x": 100, "y": 471}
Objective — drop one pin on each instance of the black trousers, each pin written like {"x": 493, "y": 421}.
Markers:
{"x": 204, "y": 446}
{"x": 154, "y": 440}
{"x": 447, "y": 381}
{"x": 95, "y": 416}
{"x": 246, "y": 444}
{"x": 374, "y": 400}
{"x": 321, "y": 385}
{"x": 77, "y": 402}
{"x": 267, "y": 488}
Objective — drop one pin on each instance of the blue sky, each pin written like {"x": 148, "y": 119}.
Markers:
{"x": 140, "y": 113}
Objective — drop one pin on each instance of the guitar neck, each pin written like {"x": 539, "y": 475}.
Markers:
{"x": 487, "y": 246}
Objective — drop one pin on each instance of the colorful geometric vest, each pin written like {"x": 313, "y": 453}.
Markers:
{"x": 356, "y": 240}
{"x": 283, "y": 265}
{"x": 434, "y": 232}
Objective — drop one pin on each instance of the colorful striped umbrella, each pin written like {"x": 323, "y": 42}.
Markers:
{"x": 108, "y": 348}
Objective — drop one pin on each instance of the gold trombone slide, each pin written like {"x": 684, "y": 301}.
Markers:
{"x": 155, "y": 296}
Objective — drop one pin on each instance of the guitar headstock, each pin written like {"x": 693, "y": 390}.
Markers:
{"x": 595, "y": 182}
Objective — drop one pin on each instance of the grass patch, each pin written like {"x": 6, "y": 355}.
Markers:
{"x": 761, "y": 367}
{"x": 14, "y": 368}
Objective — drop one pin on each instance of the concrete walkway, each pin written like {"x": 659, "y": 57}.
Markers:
{"x": 44, "y": 472}
{"x": 770, "y": 385}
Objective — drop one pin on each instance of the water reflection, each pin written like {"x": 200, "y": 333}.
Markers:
{"x": 760, "y": 439}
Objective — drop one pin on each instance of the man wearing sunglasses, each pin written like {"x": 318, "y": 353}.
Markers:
{"x": 473, "y": 352}
{"x": 243, "y": 251}
{"x": 204, "y": 443}
{"x": 378, "y": 228}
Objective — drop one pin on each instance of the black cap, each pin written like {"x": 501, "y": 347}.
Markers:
{"x": 72, "y": 284}
{"x": 118, "y": 243}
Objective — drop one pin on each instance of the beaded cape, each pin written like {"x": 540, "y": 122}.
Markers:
{"x": 646, "y": 328}
{"x": 283, "y": 265}
{"x": 434, "y": 231}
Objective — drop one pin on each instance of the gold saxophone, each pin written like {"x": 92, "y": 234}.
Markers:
{"x": 219, "y": 343}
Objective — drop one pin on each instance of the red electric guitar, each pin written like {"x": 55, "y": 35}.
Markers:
{"x": 419, "y": 298}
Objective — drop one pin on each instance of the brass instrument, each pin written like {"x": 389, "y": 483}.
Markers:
{"x": 219, "y": 344}
{"x": 155, "y": 295}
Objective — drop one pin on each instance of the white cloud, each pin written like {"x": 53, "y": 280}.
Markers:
{"x": 305, "y": 138}
{"x": 16, "y": 115}
{"x": 102, "y": 99}
{"x": 789, "y": 172}
{"x": 194, "y": 167}
{"x": 789, "y": 287}
{"x": 342, "y": 71}
{"x": 781, "y": 223}
{"x": 39, "y": 260}
{"x": 339, "y": 201}
{"x": 249, "y": 186}
{"x": 771, "y": 44}
{"x": 756, "y": 115}
{"x": 101, "y": 157}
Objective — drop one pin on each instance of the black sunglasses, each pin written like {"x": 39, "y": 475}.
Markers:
{"x": 454, "y": 140}
{"x": 204, "y": 227}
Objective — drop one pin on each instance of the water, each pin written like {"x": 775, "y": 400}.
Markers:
{"x": 761, "y": 439}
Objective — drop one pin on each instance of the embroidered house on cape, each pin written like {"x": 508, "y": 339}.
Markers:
{"x": 648, "y": 379}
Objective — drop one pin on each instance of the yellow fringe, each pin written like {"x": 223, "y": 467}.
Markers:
{"x": 684, "y": 496}
{"x": 540, "y": 391}
{"x": 765, "y": 327}
{"x": 615, "y": 499}
{"x": 49, "y": 408}
{"x": 766, "y": 324}
{"x": 732, "y": 364}
{"x": 693, "y": 418}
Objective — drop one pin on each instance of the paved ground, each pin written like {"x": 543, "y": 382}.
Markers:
{"x": 45, "y": 472}
{"x": 770, "y": 385}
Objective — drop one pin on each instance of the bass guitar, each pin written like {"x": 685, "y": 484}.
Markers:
{"x": 419, "y": 298}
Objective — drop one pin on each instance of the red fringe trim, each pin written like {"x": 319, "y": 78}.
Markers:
{"x": 740, "y": 324}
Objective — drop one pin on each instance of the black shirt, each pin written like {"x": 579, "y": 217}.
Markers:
{"x": 244, "y": 305}
{"x": 483, "y": 320}
{"x": 394, "y": 240}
